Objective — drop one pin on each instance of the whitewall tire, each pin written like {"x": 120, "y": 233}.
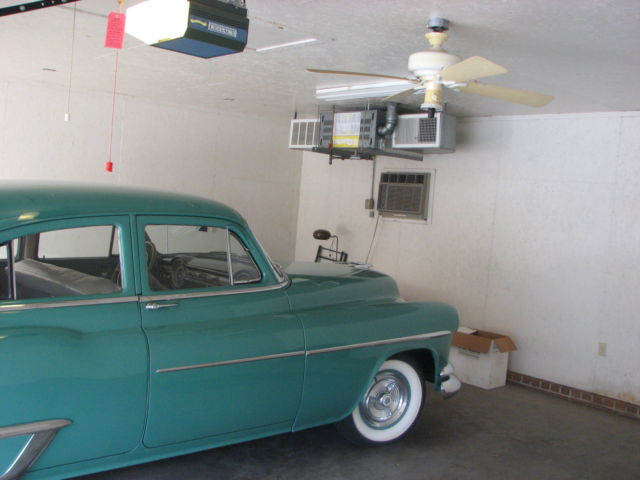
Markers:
{"x": 390, "y": 407}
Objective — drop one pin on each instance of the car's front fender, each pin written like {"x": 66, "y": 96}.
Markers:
{"x": 346, "y": 344}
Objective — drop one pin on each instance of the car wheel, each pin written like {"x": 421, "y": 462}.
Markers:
{"x": 390, "y": 407}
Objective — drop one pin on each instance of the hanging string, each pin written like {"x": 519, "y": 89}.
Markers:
{"x": 67, "y": 115}
{"x": 109, "y": 164}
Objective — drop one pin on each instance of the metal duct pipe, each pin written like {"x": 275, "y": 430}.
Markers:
{"x": 392, "y": 120}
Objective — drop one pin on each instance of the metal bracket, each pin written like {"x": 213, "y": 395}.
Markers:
{"x": 41, "y": 435}
{"x": 27, "y": 7}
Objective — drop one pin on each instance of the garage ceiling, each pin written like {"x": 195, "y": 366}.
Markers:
{"x": 585, "y": 52}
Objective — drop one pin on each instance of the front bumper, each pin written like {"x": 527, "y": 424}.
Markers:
{"x": 449, "y": 383}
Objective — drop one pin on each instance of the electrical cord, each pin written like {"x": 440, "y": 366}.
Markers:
{"x": 373, "y": 237}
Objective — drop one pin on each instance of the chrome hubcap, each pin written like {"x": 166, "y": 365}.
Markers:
{"x": 386, "y": 401}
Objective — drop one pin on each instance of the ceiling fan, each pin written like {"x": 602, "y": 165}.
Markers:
{"x": 436, "y": 68}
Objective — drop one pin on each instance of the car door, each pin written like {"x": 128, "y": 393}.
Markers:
{"x": 226, "y": 354}
{"x": 71, "y": 343}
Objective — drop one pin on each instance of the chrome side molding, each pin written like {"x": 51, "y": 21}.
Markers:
{"x": 307, "y": 353}
{"x": 41, "y": 435}
{"x": 230, "y": 362}
{"x": 377, "y": 343}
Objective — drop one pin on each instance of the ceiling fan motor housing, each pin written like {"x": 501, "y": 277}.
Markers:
{"x": 426, "y": 65}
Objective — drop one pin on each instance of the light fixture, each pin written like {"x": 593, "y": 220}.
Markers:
{"x": 332, "y": 253}
{"x": 365, "y": 90}
{"x": 203, "y": 28}
{"x": 287, "y": 44}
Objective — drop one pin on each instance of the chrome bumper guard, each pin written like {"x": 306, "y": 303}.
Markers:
{"x": 449, "y": 383}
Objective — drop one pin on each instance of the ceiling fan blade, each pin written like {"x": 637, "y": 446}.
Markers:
{"x": 339, "y": 72}
{"x": 524, "y": 97}
{"x": 400, "y": 95}
{"x": 470, "y": 69}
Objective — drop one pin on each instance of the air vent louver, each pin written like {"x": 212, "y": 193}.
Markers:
{"x": 428, "y": 130}
{"x": 304, "y": 134}
{"x": 435, "y": 134}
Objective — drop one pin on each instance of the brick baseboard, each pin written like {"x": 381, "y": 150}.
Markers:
{"x": 575, "y": 395}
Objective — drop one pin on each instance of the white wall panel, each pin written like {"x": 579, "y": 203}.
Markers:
{"x": 238, "y": 159}
{"x": 535, "y": 233}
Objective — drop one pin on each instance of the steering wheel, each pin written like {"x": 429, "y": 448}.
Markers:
{"x": 116, "y": 276}
{"x": 152, "y": 254}
{"x": 177, "y": 275}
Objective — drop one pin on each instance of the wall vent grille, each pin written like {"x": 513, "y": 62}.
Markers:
{"x": 304, "y": 133}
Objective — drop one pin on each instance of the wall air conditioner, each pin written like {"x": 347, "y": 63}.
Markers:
{"x": 435, "y": 134}
{"x": 405, "y": 194}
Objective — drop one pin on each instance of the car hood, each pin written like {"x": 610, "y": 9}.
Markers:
{"x": 316, "y": 284}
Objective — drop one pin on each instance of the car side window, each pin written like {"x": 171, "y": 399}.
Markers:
{"x": 183, "y": 257}
{"x": 62, "y": 263}
{"x": 86, "y": 242}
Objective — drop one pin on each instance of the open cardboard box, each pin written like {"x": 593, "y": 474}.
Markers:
{"x": 482, "y": 341}
{"x": 480, "y": 358}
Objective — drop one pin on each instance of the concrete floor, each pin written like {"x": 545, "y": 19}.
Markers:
{"x": 509, "y": 432}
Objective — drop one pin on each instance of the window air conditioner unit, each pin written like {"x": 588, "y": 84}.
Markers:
{"x": 404, "y": 194}
{"x": 436, "y": 134}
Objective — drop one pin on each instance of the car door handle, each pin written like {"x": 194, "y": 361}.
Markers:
{"x": 158, "y": 306}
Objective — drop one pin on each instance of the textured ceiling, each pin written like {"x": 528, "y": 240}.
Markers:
{"x": 585, "y": 52}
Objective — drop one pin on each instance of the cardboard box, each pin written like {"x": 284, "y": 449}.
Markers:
{"x": 480, "y": 358}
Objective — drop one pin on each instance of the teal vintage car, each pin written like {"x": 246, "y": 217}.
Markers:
{"x": 139, "y": 325}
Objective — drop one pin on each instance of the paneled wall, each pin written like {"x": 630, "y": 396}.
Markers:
{"x": 238, "y": 159}
{"x": 535, "y": 234}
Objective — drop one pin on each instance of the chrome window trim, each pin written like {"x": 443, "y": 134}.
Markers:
{"x": 229, "y": 266}
{"x": 217, "y": 293}
{"x": 66, "y": 303}
{"x": 278, "y": 273}
{"x": 354, "y": 346}
{"x": 250, "y": 256}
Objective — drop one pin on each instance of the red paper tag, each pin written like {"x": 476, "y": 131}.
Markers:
{"x": 115, "y": 30}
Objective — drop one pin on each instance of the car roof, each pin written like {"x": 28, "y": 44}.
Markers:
{"x": 36, "y": 202}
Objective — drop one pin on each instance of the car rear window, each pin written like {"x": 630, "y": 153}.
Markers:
{"x": 58, "y": 263}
